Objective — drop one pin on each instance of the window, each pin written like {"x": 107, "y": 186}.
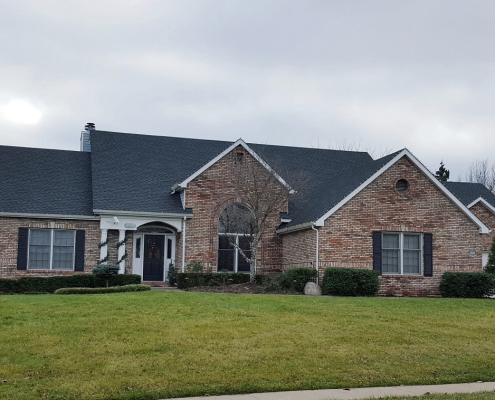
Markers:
{"x": 401, "y": 253}
{"x": 402, "y": 186}
{"x": 51, "y": 249}
{"x": 235, "y": 227}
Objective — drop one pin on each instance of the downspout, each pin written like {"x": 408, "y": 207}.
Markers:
{"x": 317, "y": 251}
{"x": 184, "y": 245}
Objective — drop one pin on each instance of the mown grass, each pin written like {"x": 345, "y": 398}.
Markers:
{"x": 464, "y": 396}
{"x": 153, "y": 345}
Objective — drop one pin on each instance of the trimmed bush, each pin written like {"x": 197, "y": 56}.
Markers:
{"x": 191, "y": 279}
{"x": 467, "y": 284}
{"x": 350, "y": 282}
{"x": 50, "y": 284}
{"x": 102, "y": 290}
{"x": 296, "y": 278}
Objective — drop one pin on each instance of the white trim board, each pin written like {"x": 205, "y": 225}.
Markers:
{"x": 484, "y": 202}
{"x": 483, "y": 228}
{"x": 239, "y": 142}
{"x": 50, "y": 216}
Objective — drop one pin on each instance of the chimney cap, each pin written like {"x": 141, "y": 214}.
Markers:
{"x": 90, "y": 126}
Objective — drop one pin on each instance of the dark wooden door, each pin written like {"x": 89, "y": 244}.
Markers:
{"x": 153, "y": 259}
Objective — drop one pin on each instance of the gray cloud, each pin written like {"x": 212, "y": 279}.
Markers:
{"x": 380, "y": 75}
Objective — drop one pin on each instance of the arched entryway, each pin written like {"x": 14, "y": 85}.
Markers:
{"x": 154, "y": 251}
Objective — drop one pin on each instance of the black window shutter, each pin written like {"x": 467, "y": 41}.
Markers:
{"x": 377, "y": 251}
{"x": 22, "y": 248}
{"x": 80, "y": 245}
{"x": 428, "y": 254}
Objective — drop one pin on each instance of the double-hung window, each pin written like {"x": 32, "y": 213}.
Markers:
{"x": 51, "y": 249}
{"x": 401, "y": 253}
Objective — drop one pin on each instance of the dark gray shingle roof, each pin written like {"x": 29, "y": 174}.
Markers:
{"x": 468, "y": 192}
{"x": 136, "y": 172}
{"x": 132, "y": 172}
{"x": 43, "y": 181}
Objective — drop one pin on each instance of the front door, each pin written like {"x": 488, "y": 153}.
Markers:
{"x": 153, "y": 259}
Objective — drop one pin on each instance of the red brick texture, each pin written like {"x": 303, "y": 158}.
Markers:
{"x": 208, "y": 195}
{"x": 346, "y": 238}
{"x": 9, "y": 230}
{"x": 488, "y": 218}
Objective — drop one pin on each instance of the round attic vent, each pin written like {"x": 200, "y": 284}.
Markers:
{"x": 402, "y": 186}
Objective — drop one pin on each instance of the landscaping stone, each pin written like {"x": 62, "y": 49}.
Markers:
{"x": 312, "y": 289}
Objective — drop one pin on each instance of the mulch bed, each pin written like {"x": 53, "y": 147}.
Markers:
{"x": 239, "y": 288}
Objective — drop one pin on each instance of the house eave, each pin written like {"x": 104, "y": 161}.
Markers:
{"x": 295, "y": 228}
{"x": 143, "y": 214}
{"x": 483, "y": 228}
{"x": 50, "y": 216}
{"x": 484, "y": 202}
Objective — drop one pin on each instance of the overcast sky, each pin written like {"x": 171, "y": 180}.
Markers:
{"x": 378, "y": 75}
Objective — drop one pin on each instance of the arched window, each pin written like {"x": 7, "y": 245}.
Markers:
{"x": 236, "y": 225}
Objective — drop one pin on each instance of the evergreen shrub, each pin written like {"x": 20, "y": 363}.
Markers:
{"x": 350, "y": 282}
{"x": 102, "y": 290}
{"x": 33, "y": 284}
{"x": 190, "y": 279}
{"x": 467, "y": 284}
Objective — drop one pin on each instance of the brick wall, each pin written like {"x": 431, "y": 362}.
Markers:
{"x": 9, "y": 231}
{"x": 488, "y": 218}
{"x": 346, "y": 238}
{"x": 208, "y": 195}
{"x": 299, "y": 249}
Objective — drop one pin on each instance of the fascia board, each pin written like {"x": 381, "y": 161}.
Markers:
{"x": 295, "y": 228}
{"x": 422, "y": 168}
{"x": 239, "y": 142}
{"x": 484, "y": 202}
{"x": 141, "y": 214}
{"x": 51, "y": 216}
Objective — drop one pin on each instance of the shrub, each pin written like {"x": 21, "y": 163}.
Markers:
{"x": 296, "y": 278}
{"x": 350, "y": 282}
{"x": 106, "y": 271}
{"x": 467, "y": 284}
{"x": 191, "y": 279}
{"x": 194, "y": 267}
{"x": 172, "y": 275}
{"x": 52, "y": 283}
{"x": 102, "y": 290}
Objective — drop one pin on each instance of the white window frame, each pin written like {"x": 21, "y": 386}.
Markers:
{"x": 236, "y": 249}
{"x": 52, "y": 234}
{"x": 401, "y": 253}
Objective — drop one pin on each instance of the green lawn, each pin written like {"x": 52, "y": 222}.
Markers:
{"x": 152, "y": 345}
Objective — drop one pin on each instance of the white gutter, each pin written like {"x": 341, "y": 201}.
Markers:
{"x": 142, "y": 213}
{"x": 51, "y": 216}
{"x": 317, "y": 251}
{"x": 295, "y": 228}
{"x": 184, "y": 246}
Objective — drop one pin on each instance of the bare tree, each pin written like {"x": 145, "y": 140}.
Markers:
{"x": 481, "y": 171}
{"x": 261, "y": 194}
{"x": 353, "y": 146}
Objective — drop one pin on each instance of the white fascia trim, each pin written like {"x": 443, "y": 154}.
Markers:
{"x": 239, "y": 142}
{"x": 141, "y": 214}
{"x": 52, "y": 216}
{"x": 295, "y": 228}
{"x": 484, "y": 202}
{"x": 422, "y": 168}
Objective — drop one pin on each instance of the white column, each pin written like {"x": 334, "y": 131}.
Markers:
{"x": 184, "y": 245}
{"x": 104, "y": 249}
{"x": 121, "y": 251}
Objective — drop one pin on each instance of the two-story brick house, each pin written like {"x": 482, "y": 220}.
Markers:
{"x": 147, "y": 201}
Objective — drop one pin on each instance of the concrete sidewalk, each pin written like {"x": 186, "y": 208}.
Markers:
{"x": 359, "y": 393}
